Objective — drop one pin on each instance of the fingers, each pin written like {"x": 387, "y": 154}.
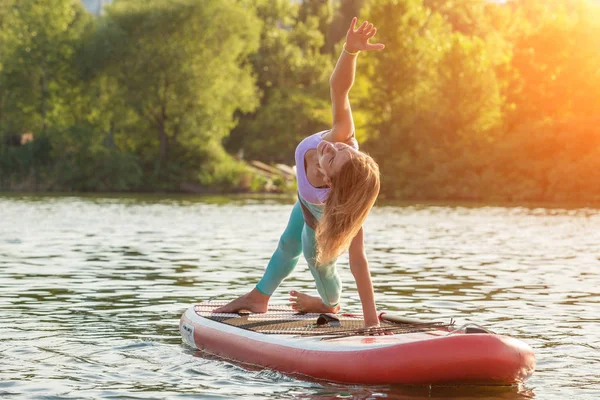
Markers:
{"x": 362, "y": 27}
{"x": 375, "y": 46}
{"x": 372, "y": 32}
{"x": 365, "y": 28}
{"x": 359, "y": 37}
{"x": 375, "y": 331}
{"x": 378, "y": 331}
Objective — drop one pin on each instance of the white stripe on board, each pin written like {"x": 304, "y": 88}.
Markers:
{"x": 312, "y": 343}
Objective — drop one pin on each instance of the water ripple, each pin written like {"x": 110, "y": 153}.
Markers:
{"x": 91, "y": 290}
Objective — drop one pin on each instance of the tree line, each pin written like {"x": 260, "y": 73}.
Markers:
{"x": 470, "y": 100}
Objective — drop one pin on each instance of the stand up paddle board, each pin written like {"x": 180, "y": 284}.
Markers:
{"x": 337, "y": 348}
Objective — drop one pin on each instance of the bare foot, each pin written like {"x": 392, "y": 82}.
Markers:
{"x": 254, "y": 301}
{"x": 310, "y": 304}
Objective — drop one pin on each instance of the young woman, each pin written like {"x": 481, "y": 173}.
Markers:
{"x": 337, "y": 186}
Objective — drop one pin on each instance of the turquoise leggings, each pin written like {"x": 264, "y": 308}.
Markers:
{"x": 299, "y": 238}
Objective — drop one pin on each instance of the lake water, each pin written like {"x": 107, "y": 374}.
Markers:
{"x": 92, "y": 288}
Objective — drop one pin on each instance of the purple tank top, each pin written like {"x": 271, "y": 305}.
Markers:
{"x": 308, "y": 192}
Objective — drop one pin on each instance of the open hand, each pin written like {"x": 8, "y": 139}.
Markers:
{"x": 376, "y": 330}
{"x": 358, "y": 39}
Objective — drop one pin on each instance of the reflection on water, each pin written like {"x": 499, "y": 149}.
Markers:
{"x": 91, "y": 290}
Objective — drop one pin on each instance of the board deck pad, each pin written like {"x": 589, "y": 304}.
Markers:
{"x": 283, "y": 320}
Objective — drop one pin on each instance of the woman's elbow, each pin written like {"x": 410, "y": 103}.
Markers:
{"x": 358, "y": 263}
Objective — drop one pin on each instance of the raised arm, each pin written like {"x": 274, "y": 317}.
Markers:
{"x": 342, "y": 79}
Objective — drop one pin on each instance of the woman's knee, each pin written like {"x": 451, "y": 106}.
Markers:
{"x": 290, "y": 246}
{"x": 329, "y": 284}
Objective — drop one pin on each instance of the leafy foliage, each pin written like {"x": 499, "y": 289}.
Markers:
{"x": 292, "y": 73}
{"x": 469, "y": 100}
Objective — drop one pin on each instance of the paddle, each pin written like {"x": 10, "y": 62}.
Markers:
{"x": 401, "y": 320}
{"x": 397, "y": 319}
{"x": 383, "y": 316}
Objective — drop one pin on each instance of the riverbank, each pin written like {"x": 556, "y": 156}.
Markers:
{"x": 290, "y": 197}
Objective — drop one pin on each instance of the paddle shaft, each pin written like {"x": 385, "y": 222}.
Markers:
{"x": 401, "y": 320}
{"x": 404, "y": 320}
{"x": 393, "y": 318}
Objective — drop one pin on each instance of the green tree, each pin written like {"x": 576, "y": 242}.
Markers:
{"x": 321, "y": 12}
{"x": 38, "y": 42}
{"x": 434, "y": 102}
{"x": 555, "y": 63}
{"x": 293, "y": 79}
{"x": 398, "y": 86}
{"x": 39, "y": 94}
{"x": 465, "y": 125}
{"x": 550, "y": 88}
{"x": 342, "y": 16}
{"x": 180, "y": 66}
{"x": 5, "y": 8}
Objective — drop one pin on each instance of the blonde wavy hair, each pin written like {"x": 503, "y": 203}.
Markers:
{"x": 354, "y": 190}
